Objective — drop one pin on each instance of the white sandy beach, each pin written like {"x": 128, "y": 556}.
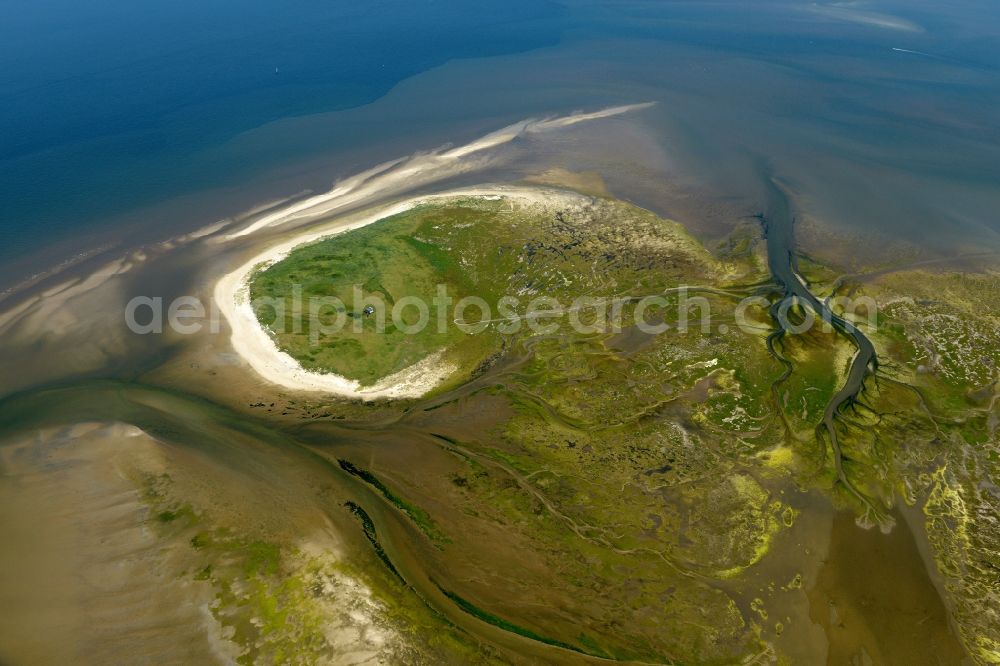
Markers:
{"x": 251, "y": 341}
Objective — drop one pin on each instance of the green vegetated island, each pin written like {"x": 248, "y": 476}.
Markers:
{"x": 632, "y": 496}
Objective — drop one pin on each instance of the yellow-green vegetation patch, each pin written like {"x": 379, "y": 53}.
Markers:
{"x": 278, "y": 602}
{"x": 371, "y": 302}
{"x": 926, "y": 430}
{"x": 730, "y": 526}
{"x": 643, "y": 479}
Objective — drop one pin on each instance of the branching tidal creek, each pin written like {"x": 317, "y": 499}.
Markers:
{"x": 779, "y": 232}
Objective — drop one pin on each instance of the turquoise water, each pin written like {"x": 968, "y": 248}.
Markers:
{"x": 879, "y": 115}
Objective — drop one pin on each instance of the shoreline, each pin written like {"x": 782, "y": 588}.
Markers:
{"x": 252, "y": 343}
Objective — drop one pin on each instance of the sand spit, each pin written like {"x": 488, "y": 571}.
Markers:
{"x": 47, "y": 312}
{"x": 397, "y": 176}
{"x": 251, "y": 341}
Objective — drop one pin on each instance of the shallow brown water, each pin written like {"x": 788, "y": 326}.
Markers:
{"x": 876, "y": 602}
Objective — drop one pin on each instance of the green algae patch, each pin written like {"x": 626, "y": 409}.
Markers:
{"x": 420, "y": 517}
{"x": 496, "y": 621}
{"x": 369, "y": 529}
{"x": 181, "y": 513}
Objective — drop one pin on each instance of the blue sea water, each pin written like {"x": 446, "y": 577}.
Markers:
{"x": 880, "y": 115}
{"x": 106, "y": 105}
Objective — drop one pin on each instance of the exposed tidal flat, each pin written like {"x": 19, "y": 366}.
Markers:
{"x": 566, "y": 497}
